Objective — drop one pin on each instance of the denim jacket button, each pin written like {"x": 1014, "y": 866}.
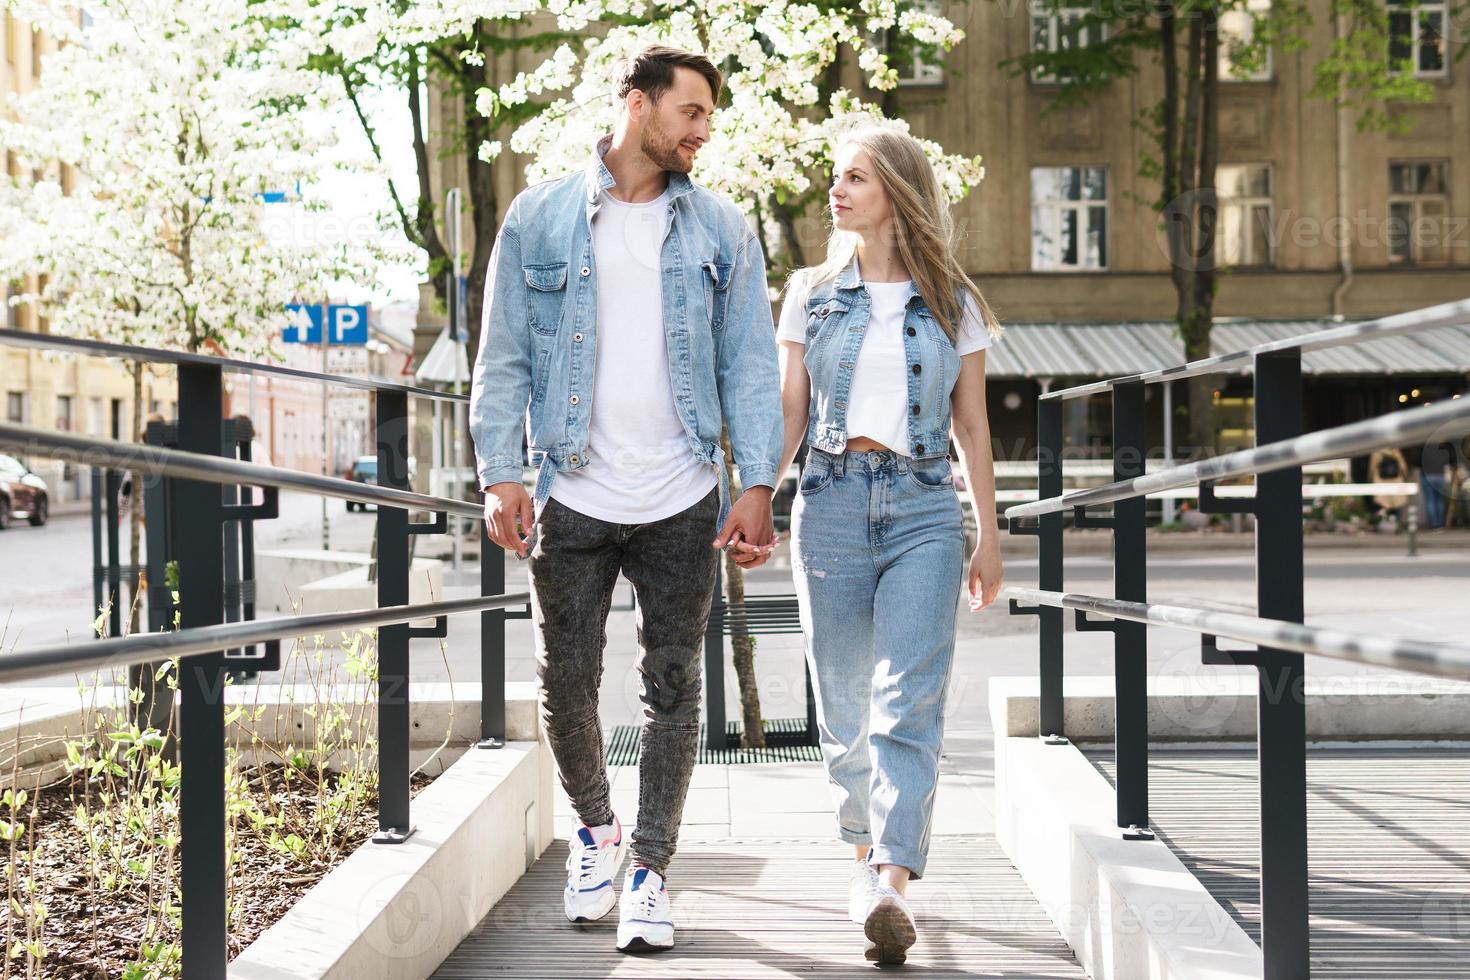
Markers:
{"x": 576, "y": 398}
{"x": 577, "y": 336}
{"x": 916, "y": 410}
{"x": 918, "y": 369}
{"x": 586, "y": 271}
{"x": 919, "y": 448}
{"x": 911, "y": 331}
{"x": 573, "y": 459}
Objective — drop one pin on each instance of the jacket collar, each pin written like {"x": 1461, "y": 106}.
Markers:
{"x": 598, "y": 178}
{"x": 852, "y": 278}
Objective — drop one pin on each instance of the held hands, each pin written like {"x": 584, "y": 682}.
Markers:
{"x": 986, "y": 576}
{"x": 504, "y": 503}
{"x": 748, "y": 531}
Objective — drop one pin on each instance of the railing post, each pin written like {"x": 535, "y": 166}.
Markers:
{"x": 1130, "y": 640}
{"x": 1281, "y": 698}
{"x": 1049, "y": 540}
{"x": 394, "y": 823}
{"x": 201, "y": 687}
{"x": 492, "y": 646}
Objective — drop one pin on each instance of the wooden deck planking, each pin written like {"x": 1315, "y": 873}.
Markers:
{"x": 762, "y": 909}
{"x": 1389, "y": 850}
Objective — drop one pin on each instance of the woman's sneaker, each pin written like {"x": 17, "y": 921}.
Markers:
{"x": 591, "y": 869}
{"x": 889, "y": 927}
{"x": 862, "y": 889}
{"x": 645, "y": 921}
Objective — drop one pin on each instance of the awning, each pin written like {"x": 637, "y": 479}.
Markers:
{"x": 444, "y": 364}
{"x": 1110, "y": 350}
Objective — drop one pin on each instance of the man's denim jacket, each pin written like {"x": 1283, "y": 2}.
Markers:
{"x": 538, "y": 340}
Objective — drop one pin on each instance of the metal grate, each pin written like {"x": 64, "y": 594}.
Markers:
{"x": 783, "y": 744}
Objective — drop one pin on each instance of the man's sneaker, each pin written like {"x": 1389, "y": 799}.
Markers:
{"x": 889, "y": 927}
{"x": 645, "y": 921}
{"x": 591, "y": 869}
{"x": 862, "y": 889}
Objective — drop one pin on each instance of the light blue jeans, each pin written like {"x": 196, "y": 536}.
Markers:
{"x": 878, "y": 550}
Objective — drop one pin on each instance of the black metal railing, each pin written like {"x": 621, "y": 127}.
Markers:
{"x": 1278, "y": 631}
{"x": 202, "y": 479}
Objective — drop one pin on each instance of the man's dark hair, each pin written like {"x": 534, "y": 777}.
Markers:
{"x": 651, "y": 71}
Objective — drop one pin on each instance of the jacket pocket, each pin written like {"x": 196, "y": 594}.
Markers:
{"x": 547, "y": 288}
{"x": 716, "y": 291}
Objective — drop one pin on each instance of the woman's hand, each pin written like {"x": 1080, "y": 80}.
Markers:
{"x": 986, "y": 573}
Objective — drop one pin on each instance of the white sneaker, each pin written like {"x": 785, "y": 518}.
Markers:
{"x": 889, "y": 927}
{"x": 591, "y": 869}
{"x": 645, "y": 921}
{"x": 862, "y": 889}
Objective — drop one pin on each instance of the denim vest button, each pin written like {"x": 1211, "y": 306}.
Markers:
{"x": 916, "y": 410}
{"x": 918, "y": 369}
{"x": 919, "y": 448}
{"x": 911, "y": 331}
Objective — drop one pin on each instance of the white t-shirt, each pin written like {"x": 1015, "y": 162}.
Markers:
{"x": 639, "y": 467}
{"x": 878, "y": 403}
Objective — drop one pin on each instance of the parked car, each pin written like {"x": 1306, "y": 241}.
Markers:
{"x": 22, "y": 494}
{"x": 365, "y": 470}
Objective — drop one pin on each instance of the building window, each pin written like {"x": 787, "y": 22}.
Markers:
{"x": 1058, "y": 29}
{"x": 1244, "y": 231}
{"x": 1069, "y": 218}
{"x": 911, "y": 67}
{"x": 15, "y": 407}
{"x": 96, "y": 420}
{"x": 1238, "y": 29}
{"x": 1416, "y": 35}
{"x": 65, "y": 412}
{"x": 1418, "y": 209}
{"x": 12, "y": 309}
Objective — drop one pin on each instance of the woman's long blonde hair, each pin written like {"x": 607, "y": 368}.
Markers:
{"x": 922, "y": 224}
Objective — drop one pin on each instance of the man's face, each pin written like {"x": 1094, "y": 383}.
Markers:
{"x": 672, "y": 130}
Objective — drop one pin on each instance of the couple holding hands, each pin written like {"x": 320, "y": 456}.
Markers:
{"x": 626, "y": 324}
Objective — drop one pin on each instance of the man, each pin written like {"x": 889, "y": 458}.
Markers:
{"x": 626, "y": 317}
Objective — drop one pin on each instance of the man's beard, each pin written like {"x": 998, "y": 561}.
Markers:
{"x": 662, "y": 149}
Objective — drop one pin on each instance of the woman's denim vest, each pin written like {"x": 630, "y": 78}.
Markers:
{"x": 837, "y": 315}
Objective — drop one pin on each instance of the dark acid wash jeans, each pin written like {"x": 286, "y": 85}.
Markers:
{"x": 574, "y": 567}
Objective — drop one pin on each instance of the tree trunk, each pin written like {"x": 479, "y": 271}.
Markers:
{"x": 742, "y": 644}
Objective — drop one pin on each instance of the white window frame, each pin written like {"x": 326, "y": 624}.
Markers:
{"x": 1416, "y": 203}
{"x": 1049, "y": 210}
{"x": 1241, "y": 24}
{"x": 1054, "y": 18}
{"x": 919, "y": 73}
{"x": 1245, "y": 208}
{"x": 1425, "y": 9}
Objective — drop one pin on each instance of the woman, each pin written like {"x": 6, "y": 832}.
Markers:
{"x": 882, "y": 356}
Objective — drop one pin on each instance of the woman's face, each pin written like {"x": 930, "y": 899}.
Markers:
{"x": 857, "y": 200}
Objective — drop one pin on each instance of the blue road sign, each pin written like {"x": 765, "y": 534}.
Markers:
{"x": 347, "y": 325}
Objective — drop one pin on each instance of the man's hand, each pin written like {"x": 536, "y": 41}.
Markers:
{"x": 504, "y": 503}
{"x": 748, "y": 529}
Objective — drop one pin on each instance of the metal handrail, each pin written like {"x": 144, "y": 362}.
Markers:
{"x": 156, "y": 460}
{"x": 1445, "y": 420}
{"x": 1444, "y": 315}
{"x": 125, "y": 651}
{"x": 101, "y": 348}
{"x": 1420, "y": 656}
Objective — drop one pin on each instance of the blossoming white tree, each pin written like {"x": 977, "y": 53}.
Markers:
{"x": 154, "y": 136}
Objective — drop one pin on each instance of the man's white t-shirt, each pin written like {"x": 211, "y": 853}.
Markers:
{"x": 878, "y": 403}
{"x": 639, "y": 466}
